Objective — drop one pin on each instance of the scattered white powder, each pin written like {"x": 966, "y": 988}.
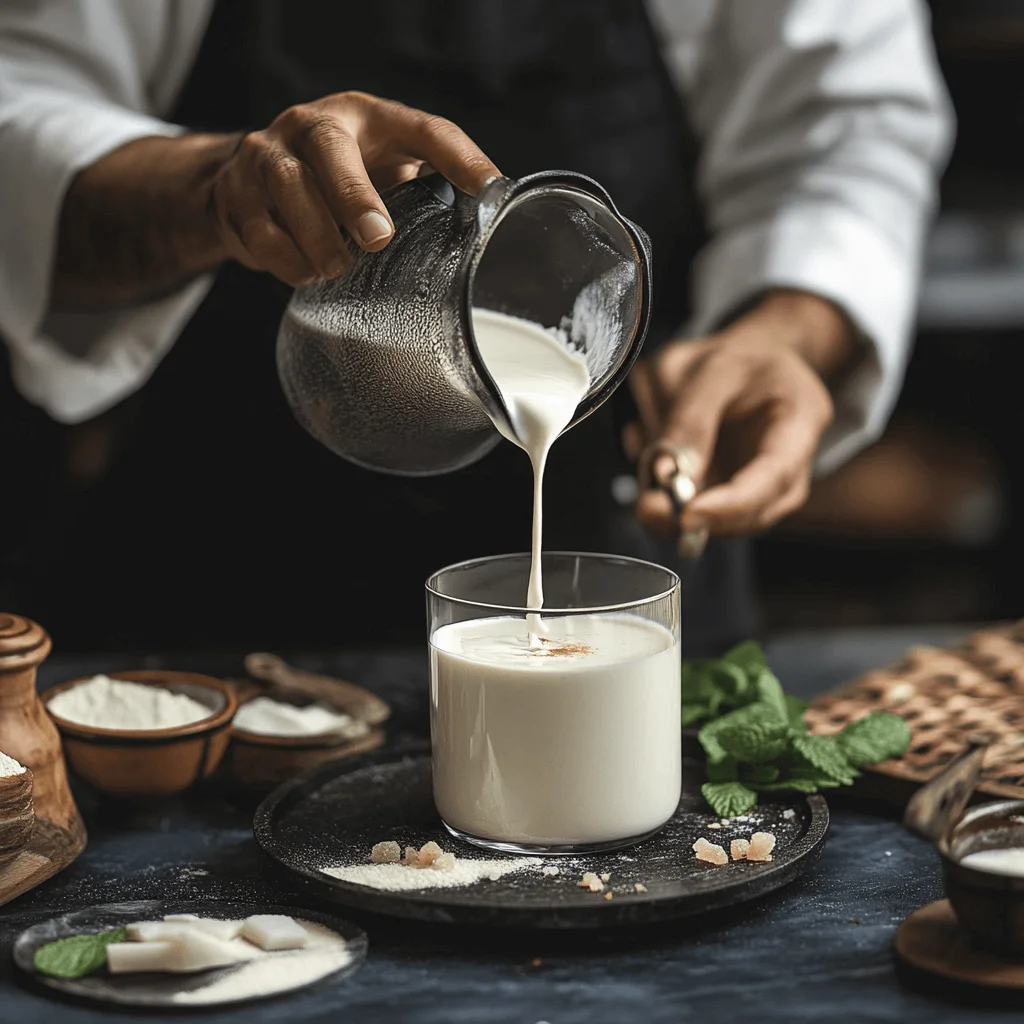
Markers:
{"x": 8, "y": 766}
{"x": 105, "y": 703}
{"x": 401, "y": 878}
{"x": 268, "y": 717}
{"x": 268, "y": 973}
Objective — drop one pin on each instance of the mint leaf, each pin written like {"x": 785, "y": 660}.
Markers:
{"x": 824, "y": 754}
{"x": 753, "y": 733}
{"x": 873, "y": 738}
{"x": 795, "y": 784}
{"x": 795, "y": 708}
{"x": 724, "y": 770}
{"x": 693, "y": 713}
{"x": 759, "y": 774}
{"x": 77, "y": 955}
{"x": 727, "y": 799}
{"x": 769, "y": 691}
{"x": 748, "y": 658}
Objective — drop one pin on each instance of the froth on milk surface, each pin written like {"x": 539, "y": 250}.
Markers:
{"x": 577, "y": 742}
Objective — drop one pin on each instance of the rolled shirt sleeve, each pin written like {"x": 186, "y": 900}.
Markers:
{"x": 823, "y": 128}
{"x": 74, "y": 87}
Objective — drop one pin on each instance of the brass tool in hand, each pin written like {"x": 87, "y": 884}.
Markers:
{"x": 680, "y": 486}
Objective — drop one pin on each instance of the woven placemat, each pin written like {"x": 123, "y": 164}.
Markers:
{"x": 947, "y": 696}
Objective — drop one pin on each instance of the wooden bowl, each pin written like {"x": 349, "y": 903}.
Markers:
{"x": 151, "y": 762}
{"x": 260, "y": 762}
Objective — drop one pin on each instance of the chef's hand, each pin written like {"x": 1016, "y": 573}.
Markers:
{"x": 281, "y": 195}
{"x": 752, "y": 403}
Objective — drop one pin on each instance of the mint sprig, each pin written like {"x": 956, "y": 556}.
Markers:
{"x": 77, "y": 955}
{"x": 757, "y": 740}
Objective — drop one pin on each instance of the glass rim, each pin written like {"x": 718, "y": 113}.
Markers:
{"x": 548, "y": 610}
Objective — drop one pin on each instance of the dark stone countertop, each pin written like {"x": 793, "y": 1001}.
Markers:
{"x": 819, "y": 950}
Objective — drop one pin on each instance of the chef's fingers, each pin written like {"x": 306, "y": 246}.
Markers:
{"x": 645, "y": 395}
{"x": 694, "y": 418}
{"x": 267, "y": 246}
{"x": 773, "y": 483}
{"x": 246, "y": 224}
{"x": 300, "y": 209}
{"x": 332, "y": 152}
{"x": 395, "y": 174}
{"x": 439, "y": 142}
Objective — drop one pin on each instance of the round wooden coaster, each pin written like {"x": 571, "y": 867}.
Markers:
{"x": 931, "y": 940}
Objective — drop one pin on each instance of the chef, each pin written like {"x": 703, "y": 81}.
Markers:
{"x": 172, "y": 168}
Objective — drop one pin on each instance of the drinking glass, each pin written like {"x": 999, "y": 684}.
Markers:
{"x": 566, "y": 745}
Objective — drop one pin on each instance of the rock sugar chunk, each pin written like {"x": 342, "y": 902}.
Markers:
{"x": 761, "y": 846}
{"x": 739, "y": 848}
{"x": 386, "y": 853}
{"x": 711, "y": 853}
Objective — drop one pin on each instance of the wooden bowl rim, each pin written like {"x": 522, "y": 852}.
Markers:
{"x": 149, "y": 677}
{"x": 317, "y": 741}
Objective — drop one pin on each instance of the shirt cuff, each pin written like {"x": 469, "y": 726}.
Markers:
{"x": 838, "y": 255}
{"x": 47, "y": 138}
{"x": 122, "y": 349}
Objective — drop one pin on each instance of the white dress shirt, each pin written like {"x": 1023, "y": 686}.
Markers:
{"x": 822, "y": 123}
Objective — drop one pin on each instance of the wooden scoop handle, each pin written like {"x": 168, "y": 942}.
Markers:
{"x": 357, "y": 702}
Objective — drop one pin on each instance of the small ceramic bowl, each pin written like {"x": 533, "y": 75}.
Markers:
{"x": 151, "y": 762}
{"x": 989, "y": 906}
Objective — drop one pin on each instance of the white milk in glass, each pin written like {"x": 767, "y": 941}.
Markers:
{"x": 575, "y": 744}
{"x": 558, "y": 730}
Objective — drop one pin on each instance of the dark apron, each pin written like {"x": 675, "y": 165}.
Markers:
{"x": 223, "y": 523}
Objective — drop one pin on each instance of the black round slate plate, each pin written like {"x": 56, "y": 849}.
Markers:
{"x": 333, "y": 815}
{"x": 158, "y": 990}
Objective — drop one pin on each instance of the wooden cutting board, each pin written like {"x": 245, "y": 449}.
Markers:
{"x": 946, "y": 696}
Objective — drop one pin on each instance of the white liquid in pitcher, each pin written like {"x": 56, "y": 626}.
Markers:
{"x": 576, "y": 743}
{"x": 541, "y": 382}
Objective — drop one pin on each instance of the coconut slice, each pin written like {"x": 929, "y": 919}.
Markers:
{"x": 187, "y": 950}
{"x": 274, "y": 931}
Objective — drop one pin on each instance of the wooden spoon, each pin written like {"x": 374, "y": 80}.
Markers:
{"x": 360, "y": 704}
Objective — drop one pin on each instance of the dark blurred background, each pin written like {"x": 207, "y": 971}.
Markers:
{"x": 926, "y": 526}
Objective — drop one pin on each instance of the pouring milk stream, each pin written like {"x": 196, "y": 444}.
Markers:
{"x": 541, "y": 383}
{"x": 589, "y": 699}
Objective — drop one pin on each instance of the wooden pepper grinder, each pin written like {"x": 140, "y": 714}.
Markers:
{"x": 28, "y": 735}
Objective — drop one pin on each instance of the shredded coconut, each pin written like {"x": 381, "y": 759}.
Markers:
{"x": 267, "y": 717}
{"x": 105, "y": 703}
{"x": 401, "y": 878}
{"x": 549, "y": 870}
{"x": 8, "y": 766}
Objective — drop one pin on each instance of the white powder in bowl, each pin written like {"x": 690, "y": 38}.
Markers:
{"x": 8, "y": 766}
{"x": 400, "y": 878}
{"x": 267, "y": 973}
{"x": 105, "y": 703}
{"x": 267, "y": 717}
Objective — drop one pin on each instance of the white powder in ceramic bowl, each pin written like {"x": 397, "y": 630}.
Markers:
{"x": 105, "y": 703}
{"x": 8, "y": 766}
